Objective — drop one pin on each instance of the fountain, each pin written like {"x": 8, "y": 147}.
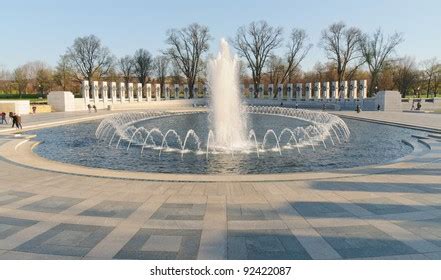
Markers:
{"x": 227, "y": 123}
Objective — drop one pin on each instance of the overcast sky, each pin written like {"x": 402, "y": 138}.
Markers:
{"x": 43, "y": 29}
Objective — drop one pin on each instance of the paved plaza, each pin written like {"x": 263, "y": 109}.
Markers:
{"x": 51, "y": 210}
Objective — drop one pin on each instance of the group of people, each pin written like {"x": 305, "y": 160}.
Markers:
{"x": 16, "y": 119}
{"x": 90, "y": 108}
{"x": 418, "y": 106}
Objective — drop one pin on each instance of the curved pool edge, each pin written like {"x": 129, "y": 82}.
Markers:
{"x": 20, "y": 152}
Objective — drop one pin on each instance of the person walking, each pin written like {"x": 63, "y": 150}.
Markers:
{"x": 34, "y": 109}
{"x": 18, "y": 121}
{"x": 89, "y": 107}
{"x": 14, "y": 119}
{"x": 4, "y": 120}
{"x": 94, "y": 108}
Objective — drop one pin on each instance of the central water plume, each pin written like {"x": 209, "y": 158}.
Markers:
{"x": 228, "y": 119}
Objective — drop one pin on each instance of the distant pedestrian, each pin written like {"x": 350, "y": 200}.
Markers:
{"x": 4, "y": 120}
{"x": 418, "y": 107}
{"x": 94, "y": 108}
{"x": 89, "y": 107}
{"x": 34, "y": 109}
{"x": 14, "y": 119}
{"x": 413, "y": 105}
{"x": 11, "y": 116}
{"x": 18, "y": 122}
{"x": 357, "y": 108}
{"x": 378, "y": 107}
{"x": 324, "y": 107}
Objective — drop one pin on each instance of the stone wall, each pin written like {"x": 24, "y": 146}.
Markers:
{"x": 21, "y": 107}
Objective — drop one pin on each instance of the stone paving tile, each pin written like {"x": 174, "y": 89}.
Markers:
{"x": 180, "y": 211}
{"x": 384, "y": 206}
{"x": 114, "y": 209}
{"x": 52, "y": 204}
{"x": 363, "y": 242}
{"x": 251, "y": 212}
{"x": 160, "y": 244}
{"x": 264, "y": 244}
{"x": 14, "y": 255}
{"x": 318, "y": 209}
{"x": 66, "y": 240}
{"x": 429, "y": 230}
{"x": 10, "y": 226}
{"x": 13, "y": 196}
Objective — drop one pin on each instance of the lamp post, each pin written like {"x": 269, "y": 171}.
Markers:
{"x": 40, "y": 88}
{"x": 418, "y": 92}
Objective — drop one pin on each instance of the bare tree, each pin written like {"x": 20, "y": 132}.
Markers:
{"x": 255, "y": 43}
{"x": 186, "y": 48}
{"x": 405, "y": 75}
{"x": 126, "y": 66}
{"x": 89, "y": 58}
{"x": 143, "y": 63}
{"x": 341, "y": 44}
{"x": 21, "y": 77}
{"x": 161, "y": 66}
{"x": 275, "y": 69}
{"x": 431, "y": 72}
{"x": 298, "y": 48}
{"x": 63, "y": 73}
{"x": 377, "y": 50}
{"x": 45, "y": 79}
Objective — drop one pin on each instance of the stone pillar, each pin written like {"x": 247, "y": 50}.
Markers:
{"x": 299, "y": 94}
{"x": 95, "y": 91}
{"x": 85, "y": 91}
{"x": 104, "y": 91}
{"x": 325, "y": 90}
{"x": 280, "y": 91}
{"x": 343, "y": 90}
{"x": 334, "y": 90}
{"x": 317, "y": 90}
{"x": 362, "y": 89}
{"x": 271, "y": 93}
{"x": 186, "y": 92}
{"x": 167, "y": 91}
{"x": 289, "y": 91}
{"x": 158, "y": 92}
{"x": 206, "y": 92}
{"x": 195, "y": 91}
{"x": 130, "y": 90}
{"x": 388, "y": 100}
{"x": 260, "y": 91}
{"x": 176, "y": 91}
{"x": 139, "y": 91}
{"x": 308, "y": 91}
{"x": 148, "y": 89}
{"x": 122, "y": 91}
{"x": 352, "y": 90}
{"x": 112, "y": 90}
{"x": 251, "y": 91}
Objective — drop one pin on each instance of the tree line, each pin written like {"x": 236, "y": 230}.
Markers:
{"x": 267, "y": 56}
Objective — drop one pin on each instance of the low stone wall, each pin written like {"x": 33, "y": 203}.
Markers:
{"x": 21, "y": 107}
{"x": 427, "y": 104}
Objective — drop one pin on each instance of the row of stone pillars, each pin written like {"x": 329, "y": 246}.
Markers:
{"x": 114, "y": 92}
